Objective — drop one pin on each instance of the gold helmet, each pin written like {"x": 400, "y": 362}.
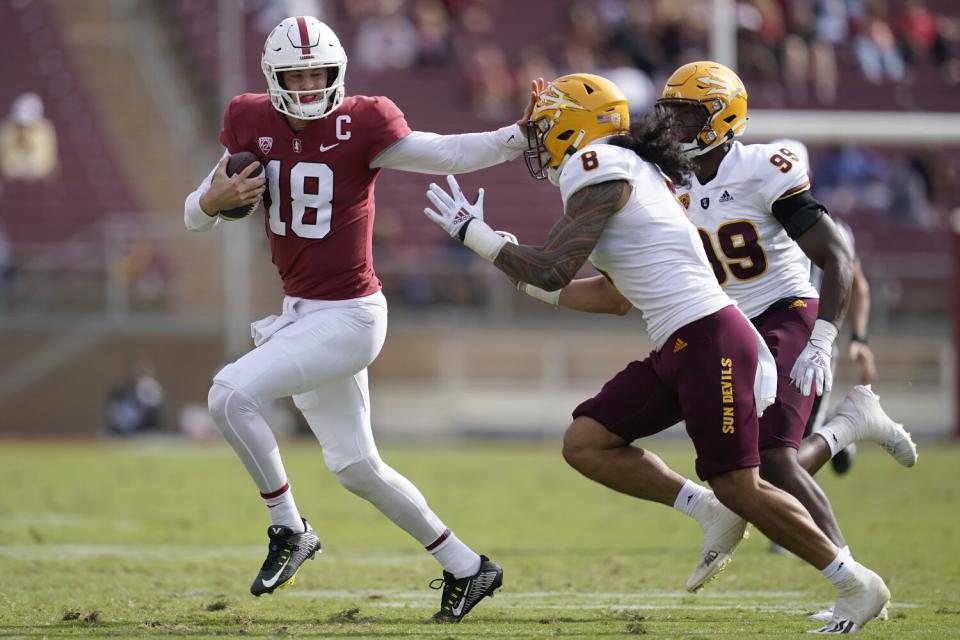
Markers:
{"x": 571, "y": 112}
{"x": 708, "y": 102}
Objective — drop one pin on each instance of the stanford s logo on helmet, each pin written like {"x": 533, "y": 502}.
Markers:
{"x": 715, "y": 94}
{"x": 298, "y": 44}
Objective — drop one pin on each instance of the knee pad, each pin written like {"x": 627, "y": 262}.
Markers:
{"x": 363, "y": 477}
{"x": 224, "y": 401}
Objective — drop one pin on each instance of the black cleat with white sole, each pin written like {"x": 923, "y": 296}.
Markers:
{"x": 288, "y": 550}
{"x": 460, "y": 595}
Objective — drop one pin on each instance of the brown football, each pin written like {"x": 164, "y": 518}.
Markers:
{"x": 235, "y": 164}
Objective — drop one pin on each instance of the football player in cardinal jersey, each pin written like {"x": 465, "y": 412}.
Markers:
{"x": 322, "y": 152}
{"x": 710, "y": 368}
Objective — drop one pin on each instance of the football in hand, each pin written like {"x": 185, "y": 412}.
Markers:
{"x": 235, "y": 164}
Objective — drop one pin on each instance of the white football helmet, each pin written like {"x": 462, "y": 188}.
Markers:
{"x": 300, "y": 43}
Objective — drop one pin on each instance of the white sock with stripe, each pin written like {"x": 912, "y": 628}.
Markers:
{"x": 456, "y": 557}
{"x": 283, "y": 509}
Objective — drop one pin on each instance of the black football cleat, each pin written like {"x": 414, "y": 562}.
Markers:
{"x": 842, "y": 462}
{"x": 288, "y": 550}
{"x": 460, "y": 595}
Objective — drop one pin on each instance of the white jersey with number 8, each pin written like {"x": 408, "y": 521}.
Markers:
{"x": 649, "y": 249}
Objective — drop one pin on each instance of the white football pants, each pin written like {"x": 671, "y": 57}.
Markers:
{"x": 318, "y": 352}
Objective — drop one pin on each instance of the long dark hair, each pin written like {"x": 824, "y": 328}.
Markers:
{"x": 652, "y": 138}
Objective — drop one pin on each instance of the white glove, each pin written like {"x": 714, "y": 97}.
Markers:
{"x": 464, "y": 221}
{"x": 813, "y": 367}
{"x": 453, "y": 211}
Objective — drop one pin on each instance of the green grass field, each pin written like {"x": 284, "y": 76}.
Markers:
{"x": 161, "y": 541}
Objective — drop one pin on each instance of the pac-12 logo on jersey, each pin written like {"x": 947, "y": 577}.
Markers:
{"x": 266, "y": 143}
{"x": 704, "y": 203}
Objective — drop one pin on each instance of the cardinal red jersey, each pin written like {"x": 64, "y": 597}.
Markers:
{"x": 319, "y": 199}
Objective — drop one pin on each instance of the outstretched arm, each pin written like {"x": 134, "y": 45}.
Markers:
{"x": 437, "y": 154}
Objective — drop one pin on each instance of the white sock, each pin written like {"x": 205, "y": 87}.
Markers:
{"x": 838, "y": 434}
{"x": 282, "y": 508}
{"x": 456, "y": 557}
{"x": 845, "y": 551}
{"x": 840, "y": 569}
{"x": 692, "y": 499}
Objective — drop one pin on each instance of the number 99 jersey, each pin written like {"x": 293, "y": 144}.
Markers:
{"x": 320, "y": 189}
{"x": 754, "y": 258}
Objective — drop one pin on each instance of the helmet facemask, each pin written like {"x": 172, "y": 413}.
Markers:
{"x": 324, "y": 101}
{"x": 693, "y": 123}
{"x": 536, "y": 156}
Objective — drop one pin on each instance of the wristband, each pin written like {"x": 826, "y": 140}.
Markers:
{"x": 823, "y": 334}
{"x": 550, "y": 297}
{"x": 483, "y": 240}
{"x": 856, "y": 337}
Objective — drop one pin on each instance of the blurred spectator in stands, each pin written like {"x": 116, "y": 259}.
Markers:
{"x": 923, "y": 39}
{"x": 533, "y": 63}
{"x": 490, "y": 82}
{"x": 809, "y": 63}
{"x": 635, "y": 84}
{"x": 134, "y": 404}
{"x": 28, "y": 142}
{"x": 876, "y": 46}
{"x": 578, "y": 58}
{"x": 830, "y": 31}
{"x": 853, "y": 178}
{"x": 761, "y": 33}
{"x": 913, "y": 186}
{"x": 269, "y": 13}
{"x": 474, "y": 16}
{"x": 633, "y": 34}
{"x": 386, "y": 39}
{"x": 140, "y": 272}
{"x": 684, "y": 31}
{"x": 584, "y": 27}
{"x": 434, "y": 37}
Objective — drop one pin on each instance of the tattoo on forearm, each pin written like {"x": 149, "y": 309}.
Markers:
{"x": 569, "y": 242}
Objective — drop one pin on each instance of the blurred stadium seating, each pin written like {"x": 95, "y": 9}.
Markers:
{"x": 103, "y": 271}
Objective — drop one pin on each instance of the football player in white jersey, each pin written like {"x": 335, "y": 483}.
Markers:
{"x": 761, "y": 228}
{"x": 710, "y": 367}
{"x": 858, "y": 317}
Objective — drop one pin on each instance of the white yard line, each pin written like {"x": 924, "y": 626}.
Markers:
{"x": 665, "y": 599}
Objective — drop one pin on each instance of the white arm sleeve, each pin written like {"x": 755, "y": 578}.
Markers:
{"x": 435, "y": 154}
{"x": 193, "y": 216}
